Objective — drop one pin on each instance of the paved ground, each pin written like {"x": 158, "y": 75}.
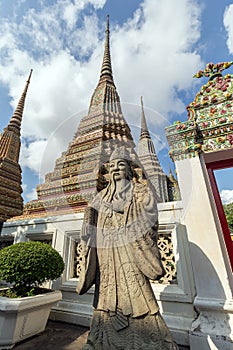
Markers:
{"x": 58, "y": 336}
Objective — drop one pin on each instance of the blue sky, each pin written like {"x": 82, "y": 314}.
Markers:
{"x": 156, "y": 47}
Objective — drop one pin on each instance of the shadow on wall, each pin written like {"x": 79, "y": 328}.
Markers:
{"x": 212, "y": 323}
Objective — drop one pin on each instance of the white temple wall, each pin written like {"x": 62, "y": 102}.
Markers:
{"x": 175, "y": 300}
{"x": 213, "y": 328}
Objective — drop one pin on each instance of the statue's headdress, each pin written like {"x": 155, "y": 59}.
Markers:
{"x": 120, "y": 153}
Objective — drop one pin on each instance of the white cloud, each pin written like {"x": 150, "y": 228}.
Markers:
{"x": 152, "y": 55}
{"x": 32, "y": 194}
{"x": 71, "y": 10}
{"x": 156, "y": 53}
{"x": 226, "y": 196}
{"x": 70, "y": 15}
{"x": 24, "y": 187}
{"x": 228, "y": 23}
{"x": 29, "y": 154}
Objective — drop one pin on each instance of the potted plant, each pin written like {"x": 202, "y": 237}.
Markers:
{"x": 25, "y": 305}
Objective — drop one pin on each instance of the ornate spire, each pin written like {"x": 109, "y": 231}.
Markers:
{"x": 10, "y": 138}
{"x": 150, "y": 162}
{"x": 81, "y": 171}
{"x": 145, "y": 145}
{"x": 105, "y": 98}
{"x": 144, "y": 128}
{"x": 10, "y": 171}
{"x": 106, "y": 69}
{"x": 16, "y": 119}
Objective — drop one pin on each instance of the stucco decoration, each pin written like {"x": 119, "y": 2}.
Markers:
{"x": 210, "y": 117}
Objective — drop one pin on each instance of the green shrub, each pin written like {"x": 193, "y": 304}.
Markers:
{"x": 29, "y": 264}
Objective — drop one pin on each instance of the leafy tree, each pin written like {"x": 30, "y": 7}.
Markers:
{"x": 228, "y": 208}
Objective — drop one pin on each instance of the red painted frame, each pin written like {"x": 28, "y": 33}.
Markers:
{"x": 217, "y": 165}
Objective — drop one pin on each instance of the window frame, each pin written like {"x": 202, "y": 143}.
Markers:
{"x": 217, "y": 161}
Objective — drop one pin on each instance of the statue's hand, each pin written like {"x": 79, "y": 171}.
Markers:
{"x": 141, "y": 192}
{"x": 140, "y": 197}
{"x": 83, "y": 248}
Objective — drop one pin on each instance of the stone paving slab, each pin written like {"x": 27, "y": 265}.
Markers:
{"x": 58, "y": 336}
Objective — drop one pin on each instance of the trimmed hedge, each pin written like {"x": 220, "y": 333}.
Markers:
{"x": 26, "y": 265}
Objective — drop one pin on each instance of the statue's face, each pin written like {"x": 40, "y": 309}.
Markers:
{"x": 118, "y": 169}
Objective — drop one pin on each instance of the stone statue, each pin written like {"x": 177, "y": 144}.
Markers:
{"x": 120, "y": 256}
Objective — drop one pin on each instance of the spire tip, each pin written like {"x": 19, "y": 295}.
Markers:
{"x": 106, "y": 69}
{"x": 144, "y": 128}
{"x": 30, "y": 74}
{"x": 107, "y": 23}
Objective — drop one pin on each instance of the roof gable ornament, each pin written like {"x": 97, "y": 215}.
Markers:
{"x": 209, "y": 127}
{"x": 213, "y": 70}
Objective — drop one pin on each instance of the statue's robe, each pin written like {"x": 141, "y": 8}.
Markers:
{"x": 119, "y": 239}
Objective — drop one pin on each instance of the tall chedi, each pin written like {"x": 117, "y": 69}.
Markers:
{"x": 80, "y": 172}
{"x": 11, "y": 201}
{"x": 149, "y": 160}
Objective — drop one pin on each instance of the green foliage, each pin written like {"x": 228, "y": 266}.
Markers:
{"x": 29, "y": 264}
{"x": 228, "y": 208}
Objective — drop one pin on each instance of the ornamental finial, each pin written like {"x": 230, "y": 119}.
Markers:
{"x": 107, "y": 22}
{"x": 144, "y": 128}
{"x": 106, "y": 69}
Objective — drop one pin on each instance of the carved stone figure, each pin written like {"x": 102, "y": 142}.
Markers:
{"x": 120, "y": 256}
